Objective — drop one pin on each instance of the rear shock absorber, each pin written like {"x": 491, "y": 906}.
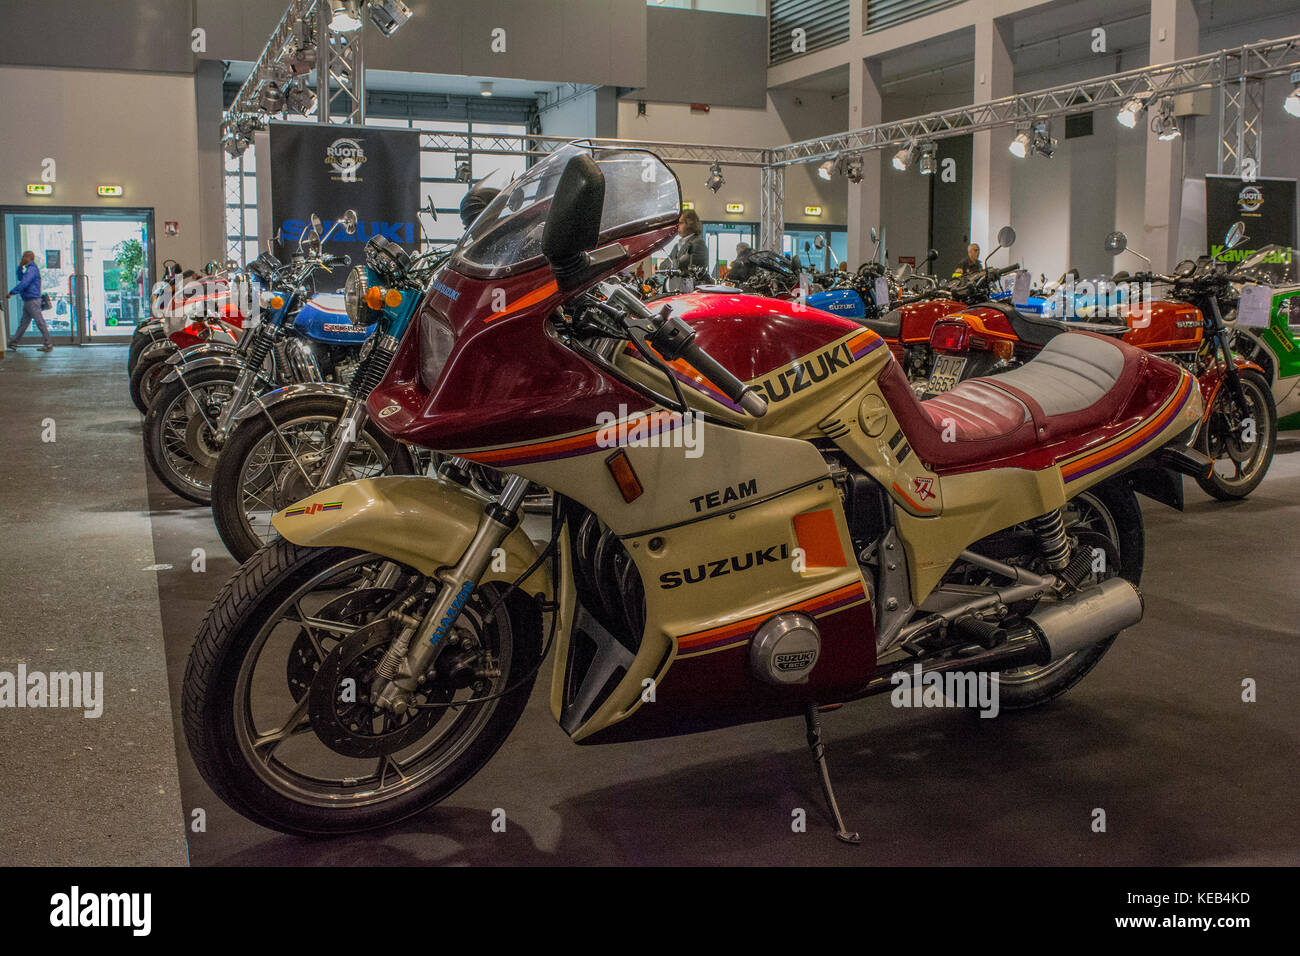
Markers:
{"x": 1050, "y": 531}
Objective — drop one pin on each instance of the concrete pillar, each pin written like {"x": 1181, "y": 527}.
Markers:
{"x": 990, "y": 194}
{"x": 211, "y": 227}
{"x": 864, "y": 197}
{"x": 1174, "y": 35}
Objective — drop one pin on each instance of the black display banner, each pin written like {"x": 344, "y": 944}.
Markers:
{"x": 1266, "y": 206}
{"x": 328, "y": 170}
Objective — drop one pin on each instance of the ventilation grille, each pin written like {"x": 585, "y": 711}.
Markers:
{"x": 823, "y": 22}
{"x": 888, "y": 13}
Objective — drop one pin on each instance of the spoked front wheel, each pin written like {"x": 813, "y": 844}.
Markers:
{"x": 278, "y": 691}
{"x": 1239, "y": 438}
{"x": 276, "y": 457}
{"x": 180, "y": 440}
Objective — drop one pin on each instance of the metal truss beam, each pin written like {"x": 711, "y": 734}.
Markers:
{"x": 771, "y": 207}
{"x": 1252, "y": 61}
{"x": 536, "y": 145}
{"x": 1241, "y": 111}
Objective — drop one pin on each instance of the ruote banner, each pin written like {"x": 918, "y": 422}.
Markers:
{"x": 329, "y": 169}
{"x": 1266, "y": 206}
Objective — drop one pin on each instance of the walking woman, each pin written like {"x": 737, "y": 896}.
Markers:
{"x": 29, "y": 290}
{"x": 690, "y": 251}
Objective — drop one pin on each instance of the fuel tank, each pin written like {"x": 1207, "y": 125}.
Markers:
{"x": 804, "y": 361}
{"x": 1164, "y": 326}
{"x": 324, "y": 318}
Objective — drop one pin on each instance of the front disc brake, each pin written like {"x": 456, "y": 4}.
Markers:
{"x": 352, "y": 608}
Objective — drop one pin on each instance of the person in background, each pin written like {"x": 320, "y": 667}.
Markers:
{"x": 971, "y": 263}
{"x": 739, "y": 269}
{"x": 690, "y": 251}
{"x": 28, "y": 290}
{"x": 843, "y": 266}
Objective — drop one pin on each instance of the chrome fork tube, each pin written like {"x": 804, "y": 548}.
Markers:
{"x": 345, "y": 437}
{"x": 238, "y": 396}
{"x": 412, "y": 653}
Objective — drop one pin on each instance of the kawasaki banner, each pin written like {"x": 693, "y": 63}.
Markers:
{"x": 328, "y": 170}
{"x": 1266, "y": 206}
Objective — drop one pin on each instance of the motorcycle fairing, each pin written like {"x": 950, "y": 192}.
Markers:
{"x": 377, "y": 515}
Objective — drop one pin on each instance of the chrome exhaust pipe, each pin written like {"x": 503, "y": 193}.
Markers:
{"x": 1051, "y": 632}
{"x": 1092, "y": 615}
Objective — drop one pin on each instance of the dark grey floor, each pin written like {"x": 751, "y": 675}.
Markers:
{"x": 79, "y": 594}
{"x": 1157, "y": 736}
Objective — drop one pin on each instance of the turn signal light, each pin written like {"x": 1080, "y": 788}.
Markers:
{"x": 628, "y": 483}
{"x": 375, "y": 297}
{"x": 1003, "y": 349}
{"x": 277, "y": 302}
{"x": 393, "y": 298}
{"x": 950, "y": 336}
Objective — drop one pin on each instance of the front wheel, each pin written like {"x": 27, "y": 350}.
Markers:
{"x": 146, "y": 377}
{"x": 1240, "y": 439}
{"x": 275, "y": 458}
{"x": 180, "y": 442}
{"x": 277, "y": 692}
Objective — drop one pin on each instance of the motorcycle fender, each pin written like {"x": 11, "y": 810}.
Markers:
{"x": 209, "y": 361}
{"x": 425, "y": 523}
{"x": 259, "y": 403}
{"x": 156, "y": 349}
{"x": 1212, "y": 381}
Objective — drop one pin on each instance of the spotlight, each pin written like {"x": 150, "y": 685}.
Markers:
{"x": 485, "y": 88}
{"x": 1043, "y": 144}
{"x": 1292, "y": 102}
{"x": 345, "y": 17}
{"x": 826, "y": 169}
{"x": 1164, "y": 124}
{"x": 1020, "y": 145}
{"x": 1129, "y": 112}
{"x": 927, "y": 159}
{"x": 463, "y": 172}
{"x": 388, "y": 15}
{"x": 715, "y": 180}
{"x": 300, "y": 97}
{"x": 271, "y": 98}
{"x": 853, "y": 168}
{"x": 905, "y": 157}
{"x": 301, "y": 59}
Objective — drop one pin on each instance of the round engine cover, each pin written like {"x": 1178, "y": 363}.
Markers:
{"x": 784, "y": 650}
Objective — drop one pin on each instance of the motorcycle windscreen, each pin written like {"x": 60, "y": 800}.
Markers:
{"x": 1274, "y": 265}
{"x": 641, "y": 193}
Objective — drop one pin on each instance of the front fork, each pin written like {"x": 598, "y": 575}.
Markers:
{"x": 238, "y": 395}
{"x": 346, "y": 434}
{"x": 413, "y": 652}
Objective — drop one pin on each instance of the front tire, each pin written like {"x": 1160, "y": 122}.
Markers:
{"x": 1239, "y": 464}
{"x": 146, "y": 377}
{"x": 178, "y": 440}
{"x": 256, "y": 476}
{"x": 277, "y": 770}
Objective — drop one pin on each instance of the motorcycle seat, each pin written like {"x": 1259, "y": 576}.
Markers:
{"x": 1039, "y": 330}
{"x": 888, "y": 326}
{"x": 1079, "y": 382}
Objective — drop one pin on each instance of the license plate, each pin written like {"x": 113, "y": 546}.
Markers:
{"x": 946, "y": 374}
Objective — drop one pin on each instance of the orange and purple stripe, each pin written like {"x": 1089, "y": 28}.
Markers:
{"x": 739, "y": 632}
{"x": 1134, "y": 441}
{"x": 573, "y": 445}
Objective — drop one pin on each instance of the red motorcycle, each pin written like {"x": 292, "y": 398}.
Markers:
{"x": 755, "y": 517}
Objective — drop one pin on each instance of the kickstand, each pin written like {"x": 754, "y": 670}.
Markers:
{"x": 819, "y": 758}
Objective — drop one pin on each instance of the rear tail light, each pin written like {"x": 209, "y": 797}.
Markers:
{"x": 950, "y": 336}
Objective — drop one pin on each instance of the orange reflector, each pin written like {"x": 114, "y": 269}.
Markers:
{"x": 1003, "y": 349}
{"x": 375, "y": 297}
{"x": 819, "y": 538}
{"x": 393, "y": 298}
{"x": 277, "y": 302}
{"x": 628, "y": 483}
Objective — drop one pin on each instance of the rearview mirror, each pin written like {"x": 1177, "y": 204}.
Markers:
{"x": 573, "y": 224}
{"x": 1116, "y": 242}
{"x": 819, "y": 242}
{"x": 932, "y": 255}
{"x": 1236, "y": 235}
{"x": 350, "y": 222}
{"x": 1006, "y": 237}
{"x": 875, "y": 237}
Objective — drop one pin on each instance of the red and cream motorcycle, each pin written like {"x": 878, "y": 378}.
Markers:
{"x": 755, "y": 518}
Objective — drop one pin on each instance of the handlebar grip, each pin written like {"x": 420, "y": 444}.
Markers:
{"x": 675, "y": 339}
{"x": 337, "y": 260}
{"x": 1014, "y": 267}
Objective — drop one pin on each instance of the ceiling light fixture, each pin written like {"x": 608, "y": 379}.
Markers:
{"x": 852, "y": 168}
{"x": 1164, "y": 124}
{"x": 345, "y": 16}
{"x": 1043, "y": 144}
{"x": 1020, "y": 145}
{"x": 388, "y": 15}
{"x": 905, "y": 157}
{"x": 485, "y": 88}
{"x": 1292, "y": 102}
{"x": 715, "y": 180}
{"x": 927, "y": 164}
{"x": 826, "y": 170}
{"x": 300, "y": 97}
{"x": 1128, "y": 113}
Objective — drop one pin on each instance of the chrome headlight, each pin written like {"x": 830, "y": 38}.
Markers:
{"x": 354, "y": 294}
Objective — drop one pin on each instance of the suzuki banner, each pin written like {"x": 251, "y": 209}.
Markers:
{"x": 330, "y": 169}
{"x": 1266, "y": 206}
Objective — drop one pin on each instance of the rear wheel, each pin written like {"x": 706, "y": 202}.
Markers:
{"x": 277, "y": 692}
{"x": 274, "y": 458}
{"x": 141, "y": 339}
{"x": 1239, "y": 438}
{"x": 146, "y": 376}
{"x": 180, "y": 443}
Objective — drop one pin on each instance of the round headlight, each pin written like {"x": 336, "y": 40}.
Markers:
{"x": 354, "y": 290}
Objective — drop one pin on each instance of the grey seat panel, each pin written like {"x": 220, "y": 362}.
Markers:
{"x": 1071, "y": 373}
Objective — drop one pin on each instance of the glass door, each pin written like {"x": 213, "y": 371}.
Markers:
{"x": 722, "y": 238}
{"x": 96, "y": 266}
{"x": 52, "y": 237}
{"x": 114, "y": 272}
